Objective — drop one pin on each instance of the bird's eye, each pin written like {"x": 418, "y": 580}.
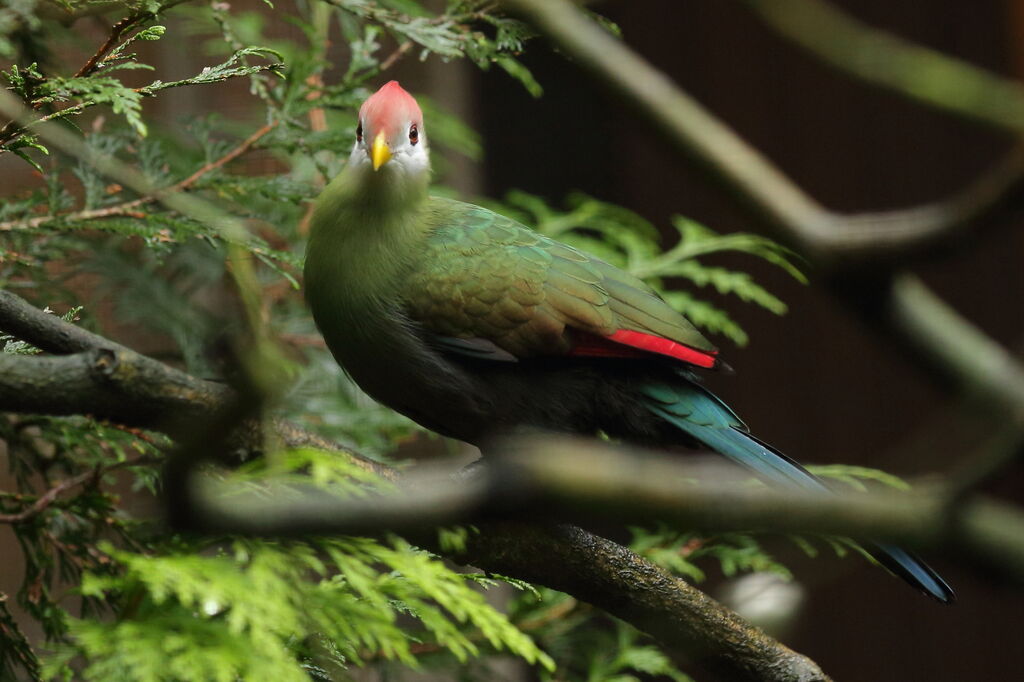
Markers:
{"x": 359, "y": 133}
{"x": 414, "y": 134}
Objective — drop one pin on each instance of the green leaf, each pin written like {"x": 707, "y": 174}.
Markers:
{"x": 28, "y": 159}
{"x": 854, "y": 476}
{"x": 515, "y": 68}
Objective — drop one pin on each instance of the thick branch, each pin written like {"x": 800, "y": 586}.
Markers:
{"x": 563, "y": 557}
{"x": 620, "y": 582}
{"x": 102, "y": 378}
{"x": 108, "y": 383}
{"x": 23, "y": 320}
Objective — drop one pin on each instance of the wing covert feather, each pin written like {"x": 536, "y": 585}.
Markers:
{"x": 485, "y": 276}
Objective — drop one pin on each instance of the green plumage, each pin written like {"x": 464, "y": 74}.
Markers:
{"x": 465, "y": 271}
{"x": 474, "y": 325}
{"x": 486, "y": 275}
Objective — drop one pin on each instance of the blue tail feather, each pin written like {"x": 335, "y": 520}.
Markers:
{"x": 703, "y": 416}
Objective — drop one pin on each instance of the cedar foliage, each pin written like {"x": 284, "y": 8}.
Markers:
{"x": 116, "y": 595}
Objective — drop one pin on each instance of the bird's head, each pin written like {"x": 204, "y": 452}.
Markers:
{"x": 389, "y": 133}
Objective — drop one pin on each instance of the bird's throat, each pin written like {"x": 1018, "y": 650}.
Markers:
{"x": 366, "y": 231}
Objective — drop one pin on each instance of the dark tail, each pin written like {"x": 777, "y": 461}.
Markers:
{"x": 700, "y": 414}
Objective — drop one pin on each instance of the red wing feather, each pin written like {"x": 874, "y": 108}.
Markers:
{"x": 630, "y": 344}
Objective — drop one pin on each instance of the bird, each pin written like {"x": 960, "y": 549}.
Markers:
{"x": 474, "y": 325}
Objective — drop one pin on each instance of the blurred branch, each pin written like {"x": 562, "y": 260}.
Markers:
{"x": 832, "y": 241}
{"x": 100, "y": 377}
{"x": 938, "y": 335}
{"x": 889, "y": 61}
{"x": 555, "y": 479}
{"x": 858, "y": 251}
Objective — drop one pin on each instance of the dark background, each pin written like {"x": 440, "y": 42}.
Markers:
{"x": 815, "y": 383}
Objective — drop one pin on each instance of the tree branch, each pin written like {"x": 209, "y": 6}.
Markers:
{"x": 555, "y": 479}
{"x": 48, "y": 332}
{"x": 100, "y": 377}
{"x": 48, "y": 498}
{"x": 937, "y": 336}
{"x": 894, "y": 63}
{"x": 831, "y": 240}
{"x": 116, "y": 31}
{"x": 44, "y": 501}
{"x": 109, "y": 383}
{"x": 856, "y": 252}
{"x": 689, "y": 623}
{"x": 835, "y": 241}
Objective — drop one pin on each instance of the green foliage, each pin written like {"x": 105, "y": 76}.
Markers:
{"x": 623, "y": 238}
{"x": 855, "y": 476}
{"x": 119, "y": 597}
{"x": 251, "y": 609}
{"x": 59, "y": 530}
{"x": 588, "y": 644}
{"x": 679, "y": 552}
{"x": 148, "y": 605}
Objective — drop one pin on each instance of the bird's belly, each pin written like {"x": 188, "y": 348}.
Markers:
{"x": 398, "y": 370}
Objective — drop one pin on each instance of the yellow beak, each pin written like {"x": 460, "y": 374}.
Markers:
{"x": 379, "y": 151}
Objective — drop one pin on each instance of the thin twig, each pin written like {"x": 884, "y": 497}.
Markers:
{"x": 91, "y": 477}
{"x": 116, "y": 31}
{"x": 49, "y": 497}
{"x": 397, "y": 54}
{"x": 240, "y": 149}
{"x": 12, "y": 128}
{"x": 128, "y": 207}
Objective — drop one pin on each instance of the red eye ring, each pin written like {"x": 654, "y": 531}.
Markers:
{"x": 414, "y": 134}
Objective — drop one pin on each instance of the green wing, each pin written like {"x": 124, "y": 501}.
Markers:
{"x": 486, "y": 276}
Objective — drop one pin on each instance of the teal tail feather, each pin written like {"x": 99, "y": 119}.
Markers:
{"x": 703, "y": 416}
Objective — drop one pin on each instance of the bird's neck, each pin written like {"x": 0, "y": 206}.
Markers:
{"x": 387, "y": 194}
{"x": 366, "y": 232}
